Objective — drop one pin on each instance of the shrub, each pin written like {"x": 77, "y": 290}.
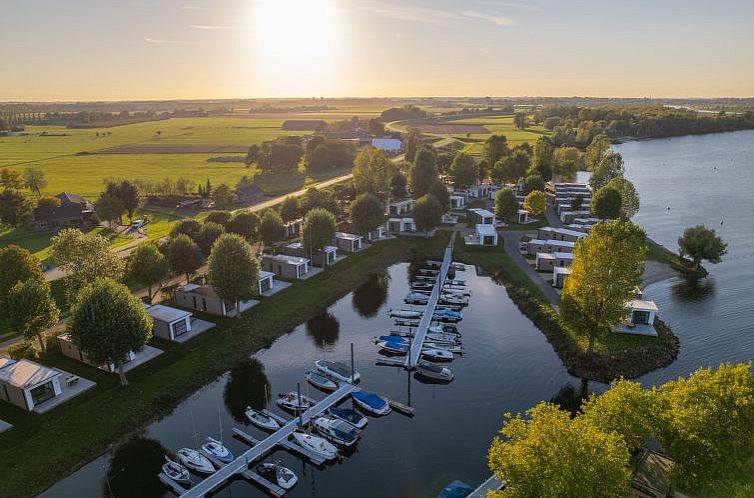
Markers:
{"x": 23, "y": 350}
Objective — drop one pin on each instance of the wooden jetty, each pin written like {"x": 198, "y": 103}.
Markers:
{"x": 177, "y": 488}
{"x": 484, "y": 489}
{"x": 271, "y": 488}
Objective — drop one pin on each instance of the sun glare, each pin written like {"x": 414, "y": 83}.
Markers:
{"x": 295, "y": 43}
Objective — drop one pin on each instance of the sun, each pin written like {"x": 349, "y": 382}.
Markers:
{"x": 295, "y": 43}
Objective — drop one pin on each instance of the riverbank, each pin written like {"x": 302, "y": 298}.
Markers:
{"x": 41, "y": 449}
{"x": 618, "y": 355}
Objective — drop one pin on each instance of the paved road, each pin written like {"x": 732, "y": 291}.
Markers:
{"x": 511, "y": 240}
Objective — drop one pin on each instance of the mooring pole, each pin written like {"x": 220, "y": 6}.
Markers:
{"x": 300, "y": 410}
{"x": 352, "y": 365}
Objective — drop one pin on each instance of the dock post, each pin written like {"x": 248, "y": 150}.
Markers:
{"x": 352, "y": 366}
{"x": 300, "y": 411}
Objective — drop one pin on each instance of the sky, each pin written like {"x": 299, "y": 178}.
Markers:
{"x": 182, "y": 49}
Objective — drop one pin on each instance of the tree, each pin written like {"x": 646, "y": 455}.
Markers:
{"x": 16, "y": 265}
{"x": 566, "y": 161}
{"x": 625, "y": 410}
{"x": 48, "y": 202}
{"x": 495, "y": 147}
{"x": 32, "y": 309}
{"x": 207, "y": 236}
{"x": 188, "y": 227}
{"x": 317, "y": 198}
{"x": 126, "y": 192}
{"x": 577, "y": 201}
{"x": 423, "y": 173}
{"x": 367, "y": 212}
{"x": 372, "y": 171}
{"x": 550, "y": 455}
{"x": 521, "y": 121}
{"x": 184, "y": 255}
{"x": 222, "y": 218}
{"x": 34, "y": 180}
{"x": 506, "y": 204}
{"x": 700, "y": 243}
{"x": 482, "y": 170}
{"x": 705, "y": 421}
{"x": 147, "y": 266}
{"x": 233, "y": 269}
{"x": 608, "y": 265}
{"x": 535, "y": 202}
{"x": 398, "y": 184}
{"x": 271, "y": 230}
{"x": 245, "y": 224}
{"x": 609, "y": 167}
{"x": 10, "y": 179}
{"x": 108, "y": 322}
{"x": 542, "y": 158}
{"x": 463, "y": 171}
{"x": 318, "y": 230}
{"x": 439, "y": 191}
{"x": 109, "y": 207}
{"x": 532, "y": 183}
{"x": 427, "y": 213}
{"x": 412, "y": 144}
{"x": 252, "y": 155}
{"x": 606, "y": 203}
{"x": 85, "y": 257}
{"x": 289, "y": 209}
{"x": 629, "y": 197}
{"x": 596, "y": 150}
{"x": 511, "y": 168}
{"x": 15, "y": 207}
{"x": 319, "y": 159}
{"x": 224, "y": 197}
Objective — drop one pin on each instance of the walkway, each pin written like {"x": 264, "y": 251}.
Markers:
{"x": 511, "y": 241}
{"x": 418, "y": 343}
{"x": 279, "y": 437}
{"x": 484, "y": 489}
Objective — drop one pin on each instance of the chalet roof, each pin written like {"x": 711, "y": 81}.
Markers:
{"x": 25, "y": 373}
{"x": 166, "y": 313}
{"x": 284, "y": 258}
{"x": 347, "y": 236}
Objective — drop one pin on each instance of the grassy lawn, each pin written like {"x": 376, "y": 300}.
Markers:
{"x": 526, "y": 226}
{"x": 85, "y": 426}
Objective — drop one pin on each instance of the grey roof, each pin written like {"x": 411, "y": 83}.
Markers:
{"x": 166, "y": 313}
{"x": 70, "y": 198}
{"x": 24, "y": 373}
{"x": 64, "y": 211}
{"x": 251, "y": 189}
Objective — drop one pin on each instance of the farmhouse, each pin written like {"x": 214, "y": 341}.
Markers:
{"x": 249, "y": 194}
{"x": 285, "y": 266}
{"x": 204, "y": 298}
{"x": 73, "y": 211}
{"x": 482, "y": 216}
{"x": 559, "y": 276}
{"x": 398, "y": 208}
{"x": 546, "y": 261}
{"x": 132, "y": 359}
{"x": 348, "y": 242}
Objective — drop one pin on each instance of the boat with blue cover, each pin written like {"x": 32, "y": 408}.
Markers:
{"x": 336, "y": 430}
{"x": 371, "y": 402}
{"x": 353, "y": 417}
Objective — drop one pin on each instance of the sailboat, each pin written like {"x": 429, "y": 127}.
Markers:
{"x": 216, "y": 449}
{"x": 195, "y": 461}
{"x": 316, "y": 444}
{"x": 261, "y": 419}
{"x": 273, "y": 472}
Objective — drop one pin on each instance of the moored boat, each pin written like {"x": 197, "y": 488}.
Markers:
{"x": 337, "y": 431}
{"x": 321, "y": 381}
{"x": 416, "y": 298}
{"x": 291, "y": 401}
{"x": 277, "y": 474}
{"x": 353, "y": 417}
{"x": 216, "y": 449}
{"x": 436, "y": 372}
{"x": 436, "y": 354}
{"x": 193, "y": 460}
{"x": 176, "y": 471}
{"x": 337, "y": 370}
{"x": 371, "y": 402}
{"x": 405, "y": 313}
{"x": 261, "y": 419}
{"x": 316, "y": 444}
{"x": 396, "y": 348}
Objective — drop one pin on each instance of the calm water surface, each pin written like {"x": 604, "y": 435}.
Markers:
{"x": 508, "y": 365}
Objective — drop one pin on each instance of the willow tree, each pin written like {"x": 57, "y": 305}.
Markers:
{"x": 108, "y": 322}
{"x": 608, "y": 265}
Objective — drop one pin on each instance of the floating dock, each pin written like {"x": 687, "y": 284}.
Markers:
{"x": 271, "y": 488}
{"x": 491, "y": 484}
{"x": 240, "y": 465}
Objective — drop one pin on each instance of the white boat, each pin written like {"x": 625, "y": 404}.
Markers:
{"x": 337, "y": 370}
{"x": 216, "y": 449}
{"x": 456, "y": 292}
{"x": 404, "y": 313}
{"x": 261, "y": 419}
{"x": 416, "y": 298}
{"x": 321, "y": 381}
{"x": 371, "y": 402}
{"x": 435, "y": 372}
{"x": 454, "y": 300}
{"x": 460, "y": 283}
{"x": 353, "y": 417}
{"x": 458, "y": 266}
{"x": 316, "y": 444}
{"x": 428, "y": 271}
{"x": 445, "y": 328}
{"x": 338, "y": 431}
{"x": 423, "y": 285}
{"x": 442, "y": 337}
{"x": 397, "y": 348}
{"x": 193, "y": 460}
{"x": 291, "y": 401}
{"x": 176, "y": 471}
{"x": 402, "y": 322}
{"x": 436, "y": 354}
{"x": 277, "y": 474}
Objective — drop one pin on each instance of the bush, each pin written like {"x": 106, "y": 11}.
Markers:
{"x": 51, "y": 338}
{"x": 23, "y": 350}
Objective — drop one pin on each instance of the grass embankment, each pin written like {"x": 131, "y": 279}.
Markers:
{"x": 615, "y": 355}
{"x": 42, "y": 448}
{"x": 657, "y": 252}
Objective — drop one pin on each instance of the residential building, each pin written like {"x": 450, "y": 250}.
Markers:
{"x": 348, "y": 242}
{"x": 522, "y": 217}
{"x": 651, "y": 477}
{"x": 557, "y": 233}
{"x": 171, "y": 323}
{"x": 569, "y": 217}
{"x": 204, "y": 298}
{"x": 481, "y": 216}
{"x": 486, "y": 235}
{"x": 249, "y": 194}
{"x": 399, "y": 208}
{"x": 292, "y": 267}
{"x": 457, "y": 201}
{"x": 387, "y": 144}
{"x": 398, "y": 225}
{"x": 559, "y": 276}
{"x": 326, "y": 256}
{"x": 74, "y": 211}
{"x": 640, "y": 318}
{"x": 546, "y": 261}
{"x": 27, "y": 384}
{"x": 293, "y": 228}
{"x": 548, "y": 246}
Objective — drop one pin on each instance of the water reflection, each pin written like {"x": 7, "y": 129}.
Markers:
{"x": 133, "y": 469}
{"x": 247, "y": 386}
{"x": 369, "y": 297}
{"x": 693, "y": 289}
{"x": 413, "y": 270}
{"x": 323, "y": 329}
{"x": 570, "y": 397}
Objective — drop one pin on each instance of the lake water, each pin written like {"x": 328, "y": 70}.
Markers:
{"x": 508, "y": 365}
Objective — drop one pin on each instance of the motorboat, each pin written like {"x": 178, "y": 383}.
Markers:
{"x": 442, "y": 337}
{"x": 336, "y": 430}
{"x": 422, "y": 285}
{"x": 450, "y": 307}
{"x": 445, "y": 328}
{"x": 291, "y": 401}
{"x": 321, "y": 381}
{"x": 216, "y": 449}
{"x": 405, "y": 313}
{"x": 416, "y": 298}
{"x": 445, "y": 314}
{"x": 176, "y": 471}
{"x": 402, "y": 322}
{"x": 394, "y": 347}
{"x": 460, "y": 283}
{"x": 316, "y": 444}
{"x": 453, "y": 348}
{"x": 261, "y": 419}
{"x": 456, "y": 292}
{"x": 458, "y": 266}
{"x": 436, "y": 372}
{"x": 454, "y": 300}
{"x": 371, "y": 402}
{"x": 193, "y": 460}
{"x": 277, "y": 474}
{"x": 353, "y": 417}
{"x": 434, "y": 263}
{"x": 436, "y": 354}
{"x": 337, "y": 370}
{"x": 456, "y": 489}
{"x": 429, "y": 271}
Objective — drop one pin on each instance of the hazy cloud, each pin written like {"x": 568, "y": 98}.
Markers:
{"x": 427, "y": 15}
{"x": 218, "y": 27}
{"x": 499, "y": 20}
{"x": 193, "y": 7}
{"x": 168, "y": 42}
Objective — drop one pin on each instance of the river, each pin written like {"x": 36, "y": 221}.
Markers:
{"x": 507, "y": 366}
